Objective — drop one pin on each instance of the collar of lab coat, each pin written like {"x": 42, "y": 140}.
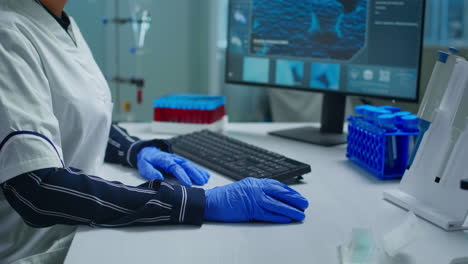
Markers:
{"x": 40, "y": 17}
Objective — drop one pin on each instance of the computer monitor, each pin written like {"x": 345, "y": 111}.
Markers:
{"x": 337, "y": 47}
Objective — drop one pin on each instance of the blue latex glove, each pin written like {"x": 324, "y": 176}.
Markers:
{"x": 150, "y": 160}
{"x": 255, "y": 199}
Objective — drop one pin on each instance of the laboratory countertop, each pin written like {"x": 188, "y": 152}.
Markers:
{"x": 342, "y": 197}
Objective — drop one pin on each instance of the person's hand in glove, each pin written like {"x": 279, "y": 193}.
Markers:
{"x": 150, "y": 161}
{"x": 254, "y": 199}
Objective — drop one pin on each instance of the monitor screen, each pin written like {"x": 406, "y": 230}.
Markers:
{"x": 360, "y": 47}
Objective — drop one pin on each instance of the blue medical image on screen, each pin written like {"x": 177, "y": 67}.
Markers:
{"x": 333, "y": 29}
{"x": 289, "y": 72}
{"x": 256, "y": 70}
{"x": 325, "y": 76}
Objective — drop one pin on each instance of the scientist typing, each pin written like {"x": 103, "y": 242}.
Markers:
{"x": 55, "y": 132}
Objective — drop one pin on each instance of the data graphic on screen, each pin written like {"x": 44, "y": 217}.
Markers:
{"x": 362, "y": 47}
{"x": 315, "y": 29}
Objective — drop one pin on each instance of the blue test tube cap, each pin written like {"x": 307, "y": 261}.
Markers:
{"x": 387, "y": 121}
{"x": 443, "y": 56}
{"x": 400, "y": 115}
{"x": 157, "y": 103}
{"x": 105, "y": 21}
{"x": 410, "y": 122}
{"x": 368, "y": 112}
{"x": 375, "y": 113}
{"x": 360, "y": 109}
{"x": 166, "y": 103}
{"x": 197, "y": 105}
{"x": 187, "y": 104}
{"x": 393, "y": 109}
{"x": 454, "y": 50}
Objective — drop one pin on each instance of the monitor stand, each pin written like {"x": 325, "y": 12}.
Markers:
{"x": 330, "y": 132}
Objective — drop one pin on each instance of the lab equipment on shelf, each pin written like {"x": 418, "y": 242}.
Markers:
{"x": 141, "y": 21}
{"x": 127, "y": 112}
{"x": 378, "y": 140}
{"x": 237, "y": 159}
{"x": 186, "y": 113}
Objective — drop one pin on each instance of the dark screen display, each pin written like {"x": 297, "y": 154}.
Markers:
{"x": 363, "y": 47}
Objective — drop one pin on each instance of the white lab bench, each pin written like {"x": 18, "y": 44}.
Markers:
{"x": 342, "y": 196}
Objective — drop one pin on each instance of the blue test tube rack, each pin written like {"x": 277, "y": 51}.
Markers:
{"x": 368, "y": 142}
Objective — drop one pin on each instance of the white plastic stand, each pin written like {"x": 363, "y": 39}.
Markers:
{"x": 431, "y": 188}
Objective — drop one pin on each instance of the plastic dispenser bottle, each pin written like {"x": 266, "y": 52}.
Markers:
{"x": 434, "y": 92}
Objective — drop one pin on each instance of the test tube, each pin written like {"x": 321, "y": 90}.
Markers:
{"x": 387, "y": 122}
{"x": 409, "y": 123}
{"x": 127, "y": 108}
{"x": 399, "y": 116}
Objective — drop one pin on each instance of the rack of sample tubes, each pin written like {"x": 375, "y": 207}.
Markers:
{"x": 380, "y": 139}
{"x": 186, "y": 113}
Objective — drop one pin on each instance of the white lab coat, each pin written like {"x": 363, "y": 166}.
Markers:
{"x": 51, "y": 86}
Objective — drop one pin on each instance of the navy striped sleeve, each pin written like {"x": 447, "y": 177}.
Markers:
{"x": 123, "y": 148}
{"x": 64, "y": 196}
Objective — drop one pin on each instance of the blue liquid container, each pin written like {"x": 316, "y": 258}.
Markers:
{"x": 409, "y": 124}
{"x": 389, "y": 122}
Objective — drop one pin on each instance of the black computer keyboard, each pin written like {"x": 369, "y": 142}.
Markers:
{"x": 237, "y": 159}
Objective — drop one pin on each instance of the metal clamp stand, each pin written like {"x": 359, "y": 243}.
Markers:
{"x": 138, "y": 82}
{"x": 118, "y": 79}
